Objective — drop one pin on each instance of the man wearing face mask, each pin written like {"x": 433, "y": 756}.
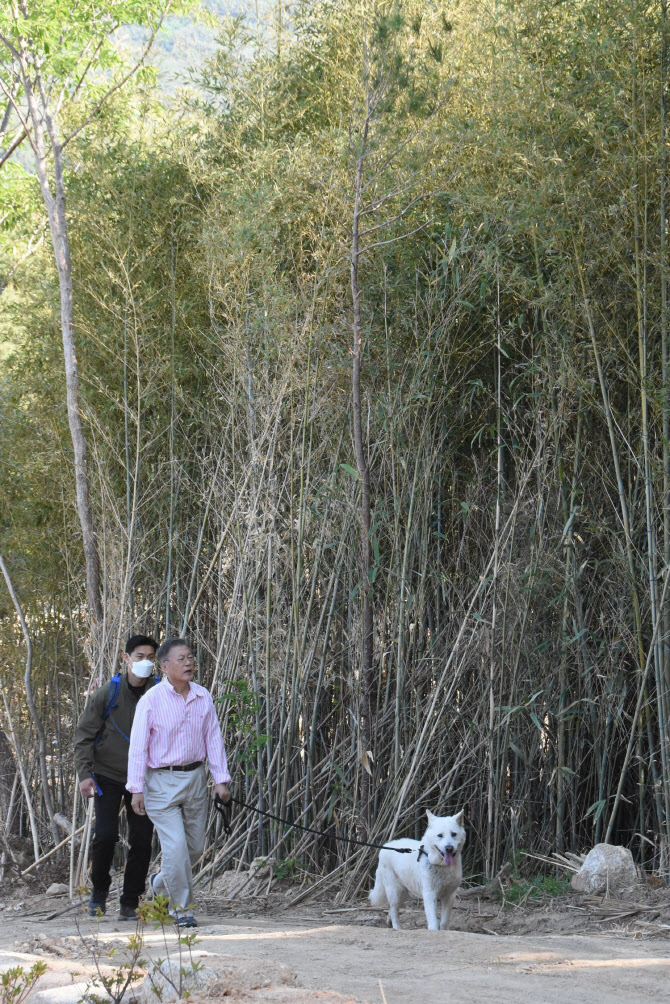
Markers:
{"x": 101, "y": 743}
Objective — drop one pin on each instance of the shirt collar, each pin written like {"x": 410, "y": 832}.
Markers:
{"x": 192, "y": 692}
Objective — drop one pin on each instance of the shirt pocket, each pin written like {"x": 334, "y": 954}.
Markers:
{"x": 196, "y": 716}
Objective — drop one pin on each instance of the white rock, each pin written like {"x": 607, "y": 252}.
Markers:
{"x": 607, "y": 868}
{"x": 167, "y": 982}
{"x": 71, "y": 994}
{"x": 57, "y": 889}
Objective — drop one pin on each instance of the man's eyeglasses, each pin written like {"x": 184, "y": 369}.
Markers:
{"x": 183, "y": 659}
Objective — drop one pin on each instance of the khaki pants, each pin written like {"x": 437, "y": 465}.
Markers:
{"x": 176, "y": 803}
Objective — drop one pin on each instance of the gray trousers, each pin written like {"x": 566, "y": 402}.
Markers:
{"x": 176, "y": 803}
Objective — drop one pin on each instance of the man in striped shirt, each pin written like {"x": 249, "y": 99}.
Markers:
{"x": 174, "y": 730}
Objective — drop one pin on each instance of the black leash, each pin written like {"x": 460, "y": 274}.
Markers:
{"x": 224, "y": 809}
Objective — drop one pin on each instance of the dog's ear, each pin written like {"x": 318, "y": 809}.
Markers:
{"x": 458, "y": 818}
{"x": 430, "y": 815}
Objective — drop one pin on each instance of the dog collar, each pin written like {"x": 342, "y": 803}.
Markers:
{"x": 422, "y": 850}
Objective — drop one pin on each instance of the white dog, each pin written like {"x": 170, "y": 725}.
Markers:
{"x": 431, "y": 872}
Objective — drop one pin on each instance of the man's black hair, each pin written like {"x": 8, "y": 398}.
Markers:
{"x": 167, "y": 646}
{"x": 140, "y": 639}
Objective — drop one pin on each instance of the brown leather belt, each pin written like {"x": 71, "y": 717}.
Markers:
{"x": 184, "y": 766}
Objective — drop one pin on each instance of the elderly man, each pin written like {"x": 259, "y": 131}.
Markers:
{"x": 101, "y": 758}
{"x": 175, "y": 729}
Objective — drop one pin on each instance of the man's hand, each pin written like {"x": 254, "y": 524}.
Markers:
{"x": 137, "y": 802}
{"x": 87, "y": 787}
{"x": 223, "y": 791}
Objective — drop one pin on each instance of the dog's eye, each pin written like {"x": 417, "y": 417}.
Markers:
{"x": 440, "y": 835}
{"x": 453, "y": 834}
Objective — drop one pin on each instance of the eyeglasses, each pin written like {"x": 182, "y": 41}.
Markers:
{"x": 183, "y": 659}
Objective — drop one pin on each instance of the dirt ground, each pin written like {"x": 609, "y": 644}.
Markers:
{"x": 565, "y": 948}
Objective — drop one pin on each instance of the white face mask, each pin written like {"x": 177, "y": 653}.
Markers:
{"x": 144, "y": 668}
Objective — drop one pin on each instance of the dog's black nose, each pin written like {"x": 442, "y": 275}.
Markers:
{"x": 450, "y": 849}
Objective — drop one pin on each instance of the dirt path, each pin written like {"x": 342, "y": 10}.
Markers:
{"x": 348, "y": 962}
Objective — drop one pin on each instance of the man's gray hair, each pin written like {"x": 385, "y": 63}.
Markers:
{"x": 167, "y": 646}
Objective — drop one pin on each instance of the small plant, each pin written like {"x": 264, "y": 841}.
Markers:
{"x": 285, "y": 869}
{"x": 158, "y": 913}
{"x": 17, "y": 983}
{"x": 539, "y": 887}
{"x": 244, "y": 705}
{"x": 117, "y": 985}
{"x": 123, "y": 976}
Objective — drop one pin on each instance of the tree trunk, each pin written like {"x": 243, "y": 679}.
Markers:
{"x": 54, "y": 202}
{"x": 366, "y": 669}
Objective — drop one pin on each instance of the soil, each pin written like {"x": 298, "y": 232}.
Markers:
{"x": 262, "y": 948}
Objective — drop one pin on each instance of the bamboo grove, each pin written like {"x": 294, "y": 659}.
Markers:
{"x": 505, "y": 168}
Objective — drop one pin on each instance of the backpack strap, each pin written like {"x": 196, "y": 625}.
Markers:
{"x": 112, "y": 694}
{"x": 127, "y": 738}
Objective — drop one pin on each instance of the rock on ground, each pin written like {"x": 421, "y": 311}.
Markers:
{"x": 243, "y": 978}
{"x": 607, "y": 868}
{"x": 57, "y": 889}
{"x": 172, "y": 980}
{"x": 70, "y": 994}
{"x": 248, "y": 883}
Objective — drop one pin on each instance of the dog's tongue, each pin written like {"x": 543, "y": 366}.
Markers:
{"x": 448, "y": 858}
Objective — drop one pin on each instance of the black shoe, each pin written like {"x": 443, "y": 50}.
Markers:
{"x": 185, "y": 920}
{"x": 127, "y": 912}
{"x": 97, "y": 904}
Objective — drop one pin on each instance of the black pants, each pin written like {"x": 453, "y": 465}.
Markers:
{"x": 140, "y": 833}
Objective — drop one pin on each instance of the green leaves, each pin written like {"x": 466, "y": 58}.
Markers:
{"x": 17, "y": 983}
{"x": 70, "y": 45}
{"x": 244, "y": 707}
{"x": 596, "y": 810}
{"x": 349, "y": 470}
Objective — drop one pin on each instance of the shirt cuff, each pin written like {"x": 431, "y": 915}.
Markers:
{"x": 219, "y": 778}
{"x": 134, "y": 789}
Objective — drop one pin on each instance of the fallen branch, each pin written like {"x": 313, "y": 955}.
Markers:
{"x": 652, "y": 926}
{"x": 494, "y": 886}
{"x": 73, "y": 906}
{"x": 59, "y": 913}
{"x": 613, "y": 909}
{"x": 52, "y": 851}
{"x": 313, "y": 888}
{"x": 569, "y": 862}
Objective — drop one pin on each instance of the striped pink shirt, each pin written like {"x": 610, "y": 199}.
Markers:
{"x": 169, "y": 730}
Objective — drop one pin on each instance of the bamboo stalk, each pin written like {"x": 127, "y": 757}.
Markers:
{"x": 45, "y": 857}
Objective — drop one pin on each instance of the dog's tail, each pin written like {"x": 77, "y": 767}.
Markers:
{"x": 378, "y": 893}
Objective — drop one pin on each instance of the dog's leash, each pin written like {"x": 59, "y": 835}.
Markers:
{"x": 224, "y": 809}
